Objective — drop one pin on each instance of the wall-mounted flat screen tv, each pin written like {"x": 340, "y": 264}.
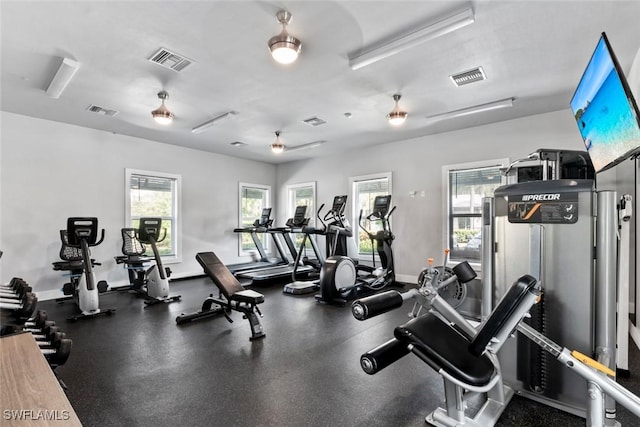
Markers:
{"x": 605, "y": 111}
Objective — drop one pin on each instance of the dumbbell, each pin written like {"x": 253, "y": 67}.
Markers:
{"x": 16, "y": 292}
{"x": 19, "y": 311}
{"x": 38, "y": 321}
{"x": 54, "y": 344}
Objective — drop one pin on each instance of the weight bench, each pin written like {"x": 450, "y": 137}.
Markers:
{"x": 232, "y": 296}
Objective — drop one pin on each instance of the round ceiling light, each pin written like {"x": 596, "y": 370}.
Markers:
{"x": 284, "y": 47}
{"x": 397, "y": 117}
{"x": 277, "y": 147}
{"x": 162, "y": 115}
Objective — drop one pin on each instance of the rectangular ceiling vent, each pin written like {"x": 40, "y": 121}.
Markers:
{"x": 97, "y": 109}
{"x": 170, "y": 60}
{"x": 314, "y": 121}
{"x": 469, "y": 76}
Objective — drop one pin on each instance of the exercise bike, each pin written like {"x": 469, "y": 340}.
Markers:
{"x": 466, "y": 357}
{"x": 152, "y": 282}
{"x": 80, "y": 235}
{"x": 342, "y": 277}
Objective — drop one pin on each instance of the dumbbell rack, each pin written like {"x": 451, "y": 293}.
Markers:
{"x": 17, "y": 307}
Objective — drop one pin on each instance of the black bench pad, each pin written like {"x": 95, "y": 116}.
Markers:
{"x": 442, "y": 347}
{"x": 225, "y": 281}
{"x": 248, "y": 296}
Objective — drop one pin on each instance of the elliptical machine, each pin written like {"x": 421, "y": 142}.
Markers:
{"x": 80, "y": 235}
{"x": 342, "y": 278}
{"x": 152, "y": 283}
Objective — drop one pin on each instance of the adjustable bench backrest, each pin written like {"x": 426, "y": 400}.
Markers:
{"x": 219, "y": 274}
{"x": 506, "y": 316}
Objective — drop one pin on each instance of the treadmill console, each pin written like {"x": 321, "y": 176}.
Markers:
{"x": 264, "y": 218}
{"x": 299, "y": 217}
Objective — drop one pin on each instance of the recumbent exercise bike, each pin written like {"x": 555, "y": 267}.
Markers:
{"x": 152, "y": 282}
{"x": 80, "y": 235}
{"x": 466, "y": 357}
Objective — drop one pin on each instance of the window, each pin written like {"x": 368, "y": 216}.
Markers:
{"x": 467, "y": 184}
{"x": 364, "y": 190}
{"x": 253, "y": 198}
{"x": 155, "y": 194}
{"x": 302, "y": 195}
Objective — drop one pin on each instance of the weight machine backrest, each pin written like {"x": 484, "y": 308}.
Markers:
{"x": 502, "y": 317}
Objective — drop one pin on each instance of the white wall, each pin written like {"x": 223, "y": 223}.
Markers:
{"x": 418, "y": 223}
{"x": 51, "y": 171}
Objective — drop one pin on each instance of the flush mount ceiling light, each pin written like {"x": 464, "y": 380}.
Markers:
{"x": 397, "y": 117}
{"x": 63, "y": 76}
{"x": 206, "y": 125}
{"x": 162, "y": 115}
{"x": 503, "y": 103}
{"x": 284, "y": 47}
{"x": 410, "y": 39}
{"x": 277, "y": 147}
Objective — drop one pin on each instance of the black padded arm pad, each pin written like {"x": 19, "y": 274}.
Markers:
{"x": 501, "y": 314}
{"x": 220, "y": 275}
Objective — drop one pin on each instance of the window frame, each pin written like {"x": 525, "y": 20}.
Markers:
{"x": 446, "y": 199}
{"x": 353, "y": 182}
{"x": 266, "y": 243}
{"x": 176, "y": 237}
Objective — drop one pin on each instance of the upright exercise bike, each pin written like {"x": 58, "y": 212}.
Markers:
{"x": 342, "y": 277}
{"x": 80, "y": 235}
{"x": 152, "y": 282}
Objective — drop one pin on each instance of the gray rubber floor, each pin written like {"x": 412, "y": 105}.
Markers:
{"x": 138, "y": 368}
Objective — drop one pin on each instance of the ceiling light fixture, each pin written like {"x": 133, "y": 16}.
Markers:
{"x": 503, "y": 103}
{"x": 206, "y": 125}
{"x": 66, "y": 71}
{"x": 412, "y": 38}
{"x": 397, "y": 117}
{"x": 162, "y": 115}
{"x": 277, "y": 147}
{"x": 284, "y": 47}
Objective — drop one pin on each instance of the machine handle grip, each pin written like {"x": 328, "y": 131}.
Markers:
{"x": 373, "y": 305}
{"x": 101, "y": 239}
{"x": 382, "y": 356}
{"x": 391, "y": 211}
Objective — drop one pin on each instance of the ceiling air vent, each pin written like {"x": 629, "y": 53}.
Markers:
{"x": 97, "y": 109}
{"x": 171, "y": 60}
{"x": 238, "y": 144}
{"x": 469, "y": 76}
{"x": 314, "y": 121}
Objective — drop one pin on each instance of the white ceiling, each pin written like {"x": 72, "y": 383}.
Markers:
{"x": 533, "y": 51}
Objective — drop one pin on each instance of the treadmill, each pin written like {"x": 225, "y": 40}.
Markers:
{"x": 266, "y": 274}
{"x": 259, "y": 226}
{"x": 300, "y": 287}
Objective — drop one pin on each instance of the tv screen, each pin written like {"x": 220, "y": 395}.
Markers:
{"x": 605, "y": 111}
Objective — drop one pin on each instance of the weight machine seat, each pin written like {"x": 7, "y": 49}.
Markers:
{"x": 443, "y": 347}
{"x": 226, "y": 281}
